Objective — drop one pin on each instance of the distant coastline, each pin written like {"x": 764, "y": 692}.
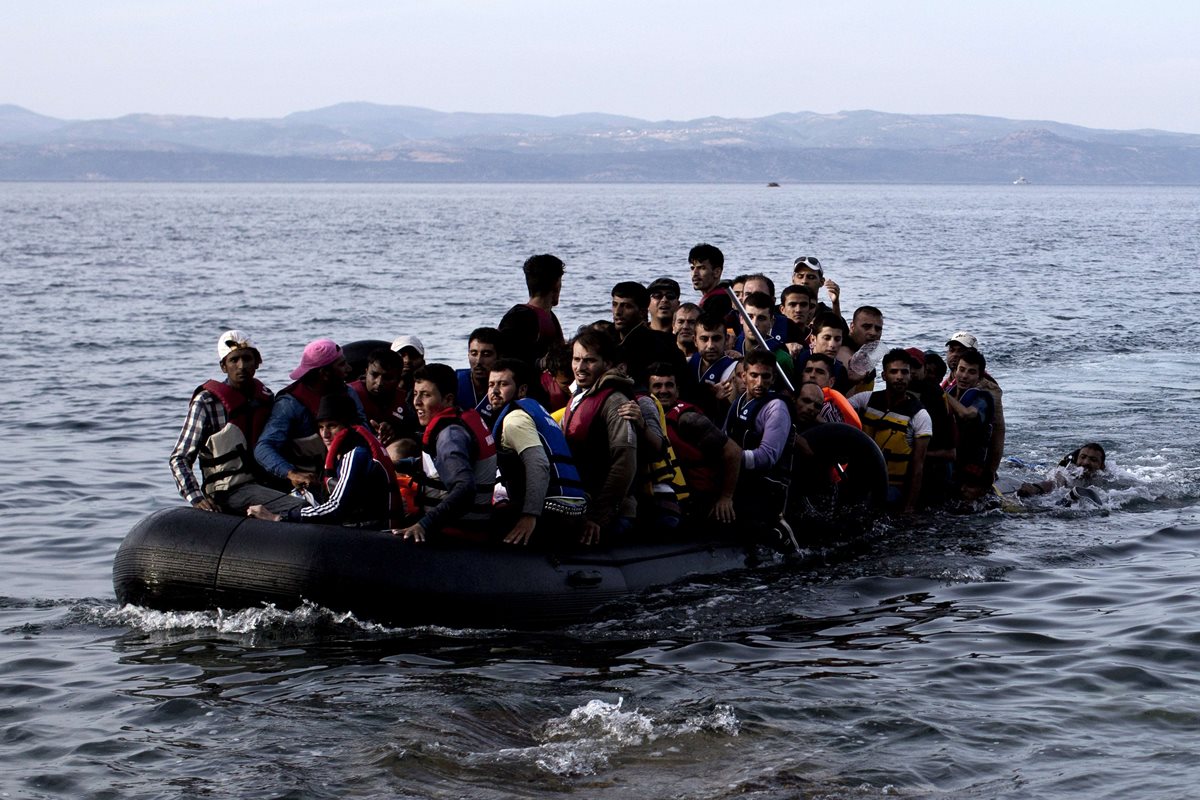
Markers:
{"x": 366, "y": 143}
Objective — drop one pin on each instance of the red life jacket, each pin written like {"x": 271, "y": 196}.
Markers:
{"x": 374, "y": 411}
{"x": 346, "y": 440}
{"x": 549, "y": 331}
{"x": 697, "y": 470}
{"x": 578, "y": 421}
{"x": 556, "y": 395}
{"x": 305, "y": 394}
{"x": 239, "y": 408}
{"x": 481, "y": 435}
{"x": 473, "y": 523}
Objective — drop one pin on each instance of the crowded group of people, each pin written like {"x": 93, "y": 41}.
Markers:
{"x": 669, "y": 414}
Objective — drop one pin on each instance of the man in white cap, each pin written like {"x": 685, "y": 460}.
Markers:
{"x": 224, "y": 422}
{"x": 412, "y": 354}
{"x": 412, "y": 357}
{"x": 290, "y": 447}
{"x": 955, "y": 346}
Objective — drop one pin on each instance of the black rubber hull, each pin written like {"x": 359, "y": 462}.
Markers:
{"x": 185, "y": 559}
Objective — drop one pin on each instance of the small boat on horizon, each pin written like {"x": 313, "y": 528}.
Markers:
{"x": 1021, "y": 181}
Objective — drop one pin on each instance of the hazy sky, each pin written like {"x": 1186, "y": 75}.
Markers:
{"x": 1096, "y": 63}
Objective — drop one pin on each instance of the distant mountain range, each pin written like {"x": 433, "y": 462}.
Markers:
{"x": 368, "y": 142}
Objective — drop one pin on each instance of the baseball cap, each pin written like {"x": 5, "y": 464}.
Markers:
{"x": 917, "y": 355}
{"x": 808, "y": 262}
{"x": 229, "y": 341}
{"x": 965, "y": 339}
{"x": 665, "y": 285}
{"x": 402, "y": 342}
{"x": 317, "y": 354}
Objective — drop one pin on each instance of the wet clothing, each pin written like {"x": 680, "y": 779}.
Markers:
{"x": 974, "y": 439}
{"x": 894, "y": 428}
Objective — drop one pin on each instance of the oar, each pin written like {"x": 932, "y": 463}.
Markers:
{"x": 762, "y": 342}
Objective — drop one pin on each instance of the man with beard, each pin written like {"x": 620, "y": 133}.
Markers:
{"x": 536, "y": 466}
{"x": 482, "y": 352}
{"x": 901, "y": 427}
{"x": 603, "y": 442}
{"x": 290, "y": 446}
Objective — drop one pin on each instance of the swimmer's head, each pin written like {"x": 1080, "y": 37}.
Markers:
{"x": 1090, "y": 457}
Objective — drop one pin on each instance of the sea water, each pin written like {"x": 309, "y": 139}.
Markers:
{"x": 1049, "y": 651}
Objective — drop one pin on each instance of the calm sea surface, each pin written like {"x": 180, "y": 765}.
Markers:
{"x": 1052, "y": 652}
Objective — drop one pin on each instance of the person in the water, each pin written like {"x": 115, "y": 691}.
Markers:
{"x": 1090, "y": 459}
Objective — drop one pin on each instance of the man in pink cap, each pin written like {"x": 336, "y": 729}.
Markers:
{"x": 224, "y": 422}
{"x": 290, "y": 447}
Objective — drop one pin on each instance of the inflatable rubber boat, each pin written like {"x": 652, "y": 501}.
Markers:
{"x": 185, "y": 559}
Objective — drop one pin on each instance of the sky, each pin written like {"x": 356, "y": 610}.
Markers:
{"x": 1102, "y": 64}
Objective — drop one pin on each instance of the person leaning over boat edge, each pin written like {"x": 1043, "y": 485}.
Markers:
{"x": 223, "y": 424}
{"x": 359, "y": 478}
{"x": 290, "y": 447}
{"x": 536, "y": 466}
{"x": 458, "y": 461}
